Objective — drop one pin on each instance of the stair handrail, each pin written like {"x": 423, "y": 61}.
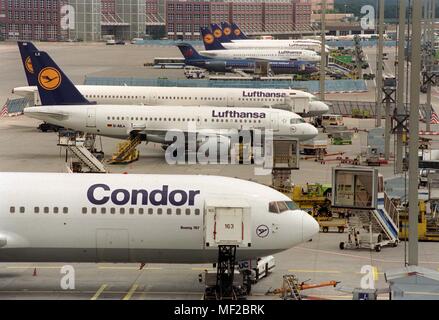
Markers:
{"x": 391, "y": 210}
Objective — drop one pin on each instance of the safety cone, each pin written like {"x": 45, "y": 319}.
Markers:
{"x": 35, "y": 272}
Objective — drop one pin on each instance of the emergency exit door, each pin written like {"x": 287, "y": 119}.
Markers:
{"x": 91, "y": 117}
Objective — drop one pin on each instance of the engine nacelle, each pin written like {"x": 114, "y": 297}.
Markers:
{"x": 216, "y": 66}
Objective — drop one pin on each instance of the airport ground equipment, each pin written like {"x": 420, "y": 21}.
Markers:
{"x": 82, "y": 146}
{"x": 285, "y": 154}
{"x": 226, "y": 228}
{"x": 314, "y": 147}
{"x": 292, "y": 289}
{"x": 314, "y": 198}
{"x": 127, "y": 151}
{"x": 341, "y": 138}
{"x": 373, "y": 218}
{"x": 328, "y": 223}
{"x": 428, "y": 218}
{"x": 258, "y": 269}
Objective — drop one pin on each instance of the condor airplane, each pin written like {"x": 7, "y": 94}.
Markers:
{"x": 215, "y": 49}
{"x": 63, "y": 105}
{"x": 141, "y": 218}
{"x": 304, "y": 44}
{"x": 302, "y": 103}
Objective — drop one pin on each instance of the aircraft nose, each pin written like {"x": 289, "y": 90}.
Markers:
{"x": 319, "y": 106}
{"x": 310, "y": 227}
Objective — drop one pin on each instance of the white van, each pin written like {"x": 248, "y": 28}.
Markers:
{"x": 194, "y": 73}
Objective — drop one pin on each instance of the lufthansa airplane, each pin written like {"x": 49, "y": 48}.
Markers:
{"x": 226, "y": 42}
{"x": 65, "y": 106}
{"x": 141, "y": 218}
{"x": 215, "y": 49}
{"x": 300, "y": 102}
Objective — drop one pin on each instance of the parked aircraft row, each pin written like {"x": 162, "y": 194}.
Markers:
{"x": 214, "y": 48}
{"x": 137, "y": 218}
{"x": 218, "y": 64}
{"x": 302, "y": 103}
{"x": 228, "y": 40}
{"x": 65, "y": 106}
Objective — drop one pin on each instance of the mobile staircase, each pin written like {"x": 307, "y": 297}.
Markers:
{"x": 127, "y": 151}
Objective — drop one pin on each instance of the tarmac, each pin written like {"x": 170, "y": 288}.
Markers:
{"x": 23, "y": 148}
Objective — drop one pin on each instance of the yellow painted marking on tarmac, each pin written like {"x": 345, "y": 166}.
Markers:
{"x": 313, "y": 271}
{"x": 202, "y": 269}
{"x": 98, "y": 293}
{"x": 131, "y": 292}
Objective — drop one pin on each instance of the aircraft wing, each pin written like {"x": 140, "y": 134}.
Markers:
{"x": 167, "y": 136}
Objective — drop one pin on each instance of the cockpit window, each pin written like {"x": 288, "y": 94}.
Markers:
{"x": 297, "y": 121}
{"x": 282, "y": 206}
{"x": 292, "y": 205}
{"x": 272, "y": 207}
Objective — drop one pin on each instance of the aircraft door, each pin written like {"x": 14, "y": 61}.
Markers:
{"x": 91, "y": 117}
{"x": 112, "y": 245}
{"x": 274, "y": 121}
{"x": 230, "y": 102}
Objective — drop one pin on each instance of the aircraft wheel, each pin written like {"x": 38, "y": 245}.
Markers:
{"x": 341, "y": 245}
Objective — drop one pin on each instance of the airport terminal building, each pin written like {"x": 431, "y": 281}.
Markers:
{"x": 91, "y": 20}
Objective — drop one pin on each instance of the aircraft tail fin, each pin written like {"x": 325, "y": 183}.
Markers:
{"x": 218, "y": 33}
{"x": 238, "y": 33}
{"x": 209, "y": 40}
{"x": 189, "y": 52}
{"x": 26, "y": 48}
{"x": 227, "y": 30}
{"x": 54, "y": 87}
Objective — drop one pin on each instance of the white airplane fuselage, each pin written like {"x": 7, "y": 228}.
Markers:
{"x": 275, "y": 44}
{"x": 119, "y": 121}
{"x": 264, "y": 54}
{"x": 300, "y": 102}
{"x": 56, "y": 217}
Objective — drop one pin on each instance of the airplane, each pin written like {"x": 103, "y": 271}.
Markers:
{"x": 215, "y": 49}
{"x": 64, "y": 106}
{"x": 141, "y": 218}
{"x": 304, "y": 44}
{"x": 212, "y": 64}
{"x": 300, "y": 102}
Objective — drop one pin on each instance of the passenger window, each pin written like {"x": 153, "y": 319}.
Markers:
{"x": 46, "y": 209}
{"x": 65, "y": 210}
{"x": 131, "y": 210}
{"x": 141, "y": 210}
{"x": 159, "y": 211}
{"x": 84, "y": 210}
{"x": 169, "y": 211}
{"x": 272, "y": 207}
{"x": 37, "y": 209}
{"x": 103, "y": 210}
{"x": 94, "y": 210}
{"x": 197, "y": 212}
{"x": 21, "y": 209}
{"x": 122, "y": 210}
{"x": 150, "y": 211}
{"x": 178, "y": 212}
{"x": 12, "y": 209}
{"x": 55, "y": 210}
{"x": 188, "y": 211}
{"x": 113, "y": 210}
